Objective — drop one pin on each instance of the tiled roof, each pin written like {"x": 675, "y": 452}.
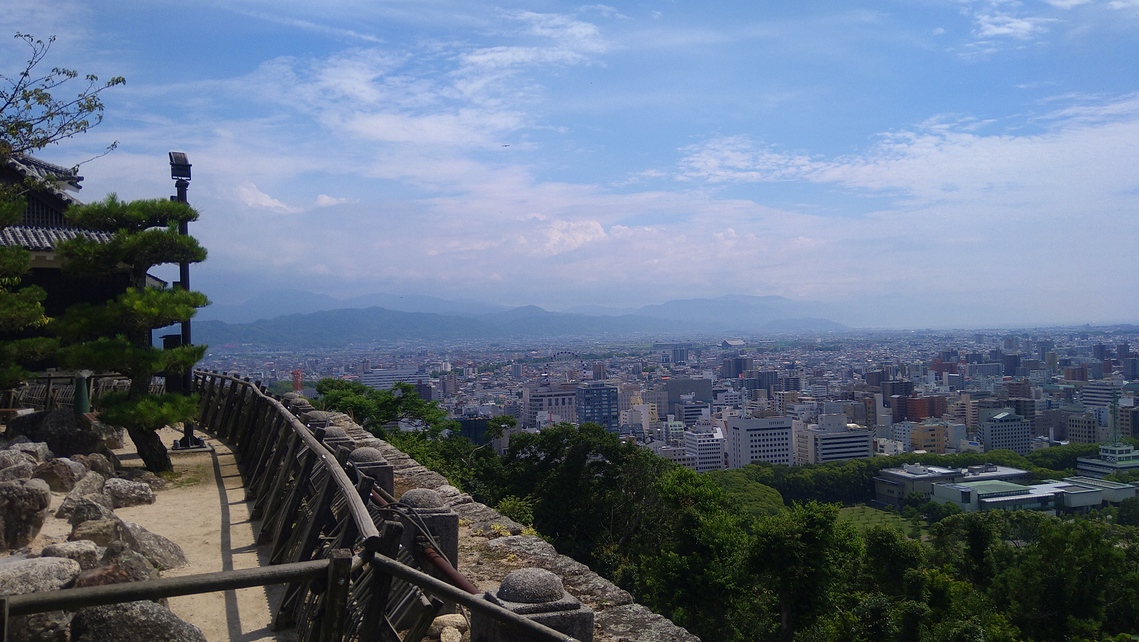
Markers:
{"x": 35, "y": 168}
{"x": 44, "y": 239}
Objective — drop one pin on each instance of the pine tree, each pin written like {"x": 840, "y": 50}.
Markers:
{"x": 116, "y": 336}
{"x": 32, "y": 118}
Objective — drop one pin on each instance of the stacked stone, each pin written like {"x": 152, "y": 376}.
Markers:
{"x": 101, "y": 548}
{"x": 495, "y": 538}
{"x": 589, "y": 606}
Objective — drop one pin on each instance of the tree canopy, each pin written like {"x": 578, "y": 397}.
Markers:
{"x": 33, "y": 116}
{"x": 116, "y": 336}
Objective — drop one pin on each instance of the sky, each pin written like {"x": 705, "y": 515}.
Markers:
{"x": 932, "y": 163}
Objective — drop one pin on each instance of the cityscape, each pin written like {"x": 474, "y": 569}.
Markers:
{"x": 489, "y": 320}
{"x": 788, "y": 400}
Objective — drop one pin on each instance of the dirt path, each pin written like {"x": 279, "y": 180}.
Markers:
{"x": 204, "y": 510}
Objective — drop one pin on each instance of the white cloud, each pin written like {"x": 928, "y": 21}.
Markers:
{"x": 248, "y": 194}
{"x": 324, "y": 200}
{"x": 569, "y": 32}
{"x": 1001, "y": 25}
{"x": 1083, "y": 152}
{"x": 563, "y": 236}
{"x": 736, "y": 159}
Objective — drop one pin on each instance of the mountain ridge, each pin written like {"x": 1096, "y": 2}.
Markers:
{"x": 346, "y": 326}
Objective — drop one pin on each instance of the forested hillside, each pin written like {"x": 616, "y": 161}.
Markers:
{"x": 761, "y": 553}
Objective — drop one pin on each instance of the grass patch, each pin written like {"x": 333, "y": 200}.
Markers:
{"x": 863, "y": 517}
{"x": 182, "y": 478}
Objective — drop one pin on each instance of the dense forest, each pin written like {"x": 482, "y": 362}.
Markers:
{"x": 761, "y": 553}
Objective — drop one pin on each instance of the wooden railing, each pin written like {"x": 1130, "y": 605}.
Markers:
{"x": 347, "y": 575}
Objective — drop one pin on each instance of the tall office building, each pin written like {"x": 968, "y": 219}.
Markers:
{"x": 596, "y": 401}
{"x": 832, "y": 440}
{"x": 706, "y": 446}
{"x": 1099, "y": 394}
{"x": 1007, "y": 431}
{"x": 1082, "y": 428}
{"x": 768, "y": 439}
{"x": 385, "y": 378}
{"x": 547, "y": 404}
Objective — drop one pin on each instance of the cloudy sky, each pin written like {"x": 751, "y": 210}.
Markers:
{"x": 919, "y": 162}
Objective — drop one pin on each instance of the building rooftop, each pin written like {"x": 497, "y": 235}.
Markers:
{"x": 45, "y": 239}
{"x": 993, "y": 487}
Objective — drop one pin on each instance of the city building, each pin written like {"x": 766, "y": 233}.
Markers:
{"x": 1071, "y": 495}
{"x": 596, "y": 401}
{"x": 832, "y": 439}
{"x": 767, "y": 439}
{"x": 1083, "y": 428}
{"x": 1113, "y": 458}
{"x": 930, "y": 436}
{"x": 544, "y": 404}
{"x": 892, "y": 485}
{"x": 386, "y": 378}
{"x": 707, "y": 446}
{"x": 1007, "y": 431}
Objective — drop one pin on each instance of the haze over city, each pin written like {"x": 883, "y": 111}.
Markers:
{"x": 932, "y": 164}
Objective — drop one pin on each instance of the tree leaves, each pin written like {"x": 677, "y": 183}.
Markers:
{"x": 32, "y": 117}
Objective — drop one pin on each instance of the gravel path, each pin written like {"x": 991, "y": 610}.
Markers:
{"x": 204, "y": 511}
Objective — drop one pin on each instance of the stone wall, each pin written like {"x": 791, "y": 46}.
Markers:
{"x": 491, "y": 545}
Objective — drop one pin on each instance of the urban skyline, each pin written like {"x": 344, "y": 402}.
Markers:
{"x": 942, "y": 164}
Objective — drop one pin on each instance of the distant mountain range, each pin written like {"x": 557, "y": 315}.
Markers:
{"x": 431, "y": 319}
{"x": 271, "y": 304}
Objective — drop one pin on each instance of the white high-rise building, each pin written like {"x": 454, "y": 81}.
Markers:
{"x": 768, "y": 439}
{"x": 706, "y": 443}
{"x": 1007, "y": 431}
{"x": 385, "y": 378}
{"x": 832, "y": 439}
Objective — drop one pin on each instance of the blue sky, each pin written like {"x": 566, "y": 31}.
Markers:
{"x": 930, "y": 163}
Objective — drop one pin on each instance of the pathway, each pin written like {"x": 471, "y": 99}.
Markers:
{"x": 205, "y": 512}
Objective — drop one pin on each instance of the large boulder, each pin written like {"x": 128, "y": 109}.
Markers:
{"x": 83, "y": 551}
{"x": 90, "y": 484}
{"x": 119, "y": 564}
{"x": 98, "y": 463}
{"x": 132, "y": 622}
{"x": 103, "y": 532}
{"x": 60, "y": 429}
{"x": 59, "y": 474}
{"x": 53, "y": 626}
{"x": 19, "y": 472}
{"x": 90, "y": 507}
{"x": 37, "y": 450}
{"x": 13, "y": 457}
{"x": 33, "y": 576}
{"x": 127, "y": 493}
{"x": 23, "y": 509}
{"x": 160, "y": 551}
{"x": 37, "y": 575}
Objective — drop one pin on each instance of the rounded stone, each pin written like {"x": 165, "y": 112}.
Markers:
{"x": 367, "y": 455}
{"x": 422, "y": 498}
{"x": 531, "y": 586}
{"x": 36, "y": 575}
{"x": 334, "y": 432}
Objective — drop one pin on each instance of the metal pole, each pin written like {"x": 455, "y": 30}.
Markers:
{"x": 188, "y": 439}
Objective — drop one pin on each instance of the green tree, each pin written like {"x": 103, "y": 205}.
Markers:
{"x": 33, "y": 117}
{"x": 116, "y": 336}
{"x": 1128, "y": 513}
{"x": 804, "y": 556}
{"x": 746, "y": 495}
{"x": 1058, "y": 587}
